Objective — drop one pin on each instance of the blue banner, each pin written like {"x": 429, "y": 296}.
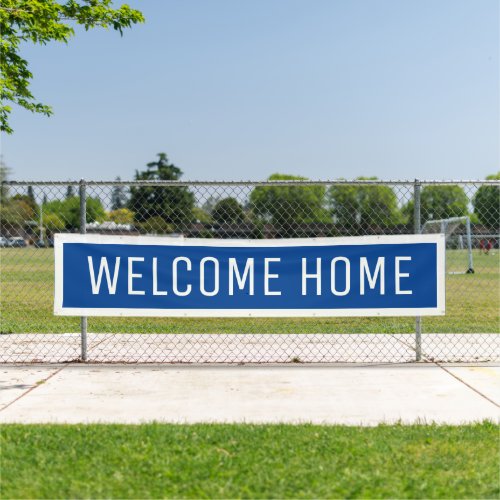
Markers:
{"x": 144, "y": 276}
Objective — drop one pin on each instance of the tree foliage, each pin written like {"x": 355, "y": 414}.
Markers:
{"x": 41, "y": 22}
{"x": 15, "y": 212}
{"x": 209, "y": 204}
{"x": 31, "y": 195}
{"x": 363, "y": 205}
{"x": 26, "y": 198}
{"x": 121, "y": 216}
{"x": 487, "y": 204}
{"x": 68, "y": 210}
{"x": 4, "y": 174}
{"x": 53, "y": 223}
{"x": 173, "y": 203}
{"x": 288, "y": 206}
{"x": 228, "y": 211}
{"x": 439, "y": 202}
{"x": 157, "y": 225}
{"x": 202, "y": 215}
{"x": 118, "y": 197}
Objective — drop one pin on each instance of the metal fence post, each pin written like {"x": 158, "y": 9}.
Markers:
{"x": 417, "y": 230}
{"x": 470, "y": 269}
{"x": 83, "y": 230}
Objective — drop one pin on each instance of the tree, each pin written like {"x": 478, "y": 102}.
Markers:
{"x": 69, "y": 211}
{"x": 439, "y": 202}
{"x": 15, "y": 213}
{"x": 344, "y": 204}
{"x": 157, "y": 225}
{"x": 118, "y": 197}
{"x": 363, "y": 205}
{"x": 286, "y": 207}
{"x": 53, "y": 223}
{"x": 486, "y": 203}
{"x": 209, "y": 204}
{"x": 200, "y": 215}
{"x": 173, "y": 203}
{"x": 28, "y": 200}
{"x": 41, "y": 22}
{"x": 4, "y": 174}
{"x": 31, "y": 195}
{"x": 228, "y": 211}
{"x": 121, "y": 216}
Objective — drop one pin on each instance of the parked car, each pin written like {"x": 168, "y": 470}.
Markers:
{"x": 39, "y": 244}
{"x": 17, "y": 242}
{"x": 4, "y": 242}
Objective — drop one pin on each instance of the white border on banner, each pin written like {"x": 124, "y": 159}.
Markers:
{"x": 60, "y": 239}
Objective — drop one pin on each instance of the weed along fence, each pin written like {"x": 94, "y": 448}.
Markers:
{"x": 237, "y": 272}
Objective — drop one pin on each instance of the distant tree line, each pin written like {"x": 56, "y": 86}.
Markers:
{"x": 290, "y": 210}
{"x": 348, "y": 208}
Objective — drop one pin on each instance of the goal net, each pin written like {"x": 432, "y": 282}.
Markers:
{"x": 458, "y": 242}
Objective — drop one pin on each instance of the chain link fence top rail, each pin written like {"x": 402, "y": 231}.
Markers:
{"x": 467, "y": 212}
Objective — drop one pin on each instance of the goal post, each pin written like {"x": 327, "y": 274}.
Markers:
{"x": 454, "y": 228}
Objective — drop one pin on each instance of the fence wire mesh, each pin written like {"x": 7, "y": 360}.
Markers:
{"x": 467, "y": 212}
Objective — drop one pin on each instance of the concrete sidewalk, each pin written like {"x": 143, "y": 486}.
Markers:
{"x": 333, "y": 394}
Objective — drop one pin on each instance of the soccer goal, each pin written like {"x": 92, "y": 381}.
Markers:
{"x": 458, "y": 242}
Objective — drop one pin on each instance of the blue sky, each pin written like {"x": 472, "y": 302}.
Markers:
{"x": 237, "y": 90}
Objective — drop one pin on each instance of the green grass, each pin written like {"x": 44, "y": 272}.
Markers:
{"x": 26, "y": 286}
{"x": 249, "y": 461}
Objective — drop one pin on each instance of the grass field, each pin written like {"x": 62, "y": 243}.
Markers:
{"x": 249, "y": 461}
{"x": 27, "y": 276}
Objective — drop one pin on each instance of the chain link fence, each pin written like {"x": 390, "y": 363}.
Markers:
{"x": 467, "y": 212}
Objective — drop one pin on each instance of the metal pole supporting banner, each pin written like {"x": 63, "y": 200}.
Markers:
{"x": 417, "y": 230}
{"x": 469, "y": 245}
{"x": 83, "y": 230}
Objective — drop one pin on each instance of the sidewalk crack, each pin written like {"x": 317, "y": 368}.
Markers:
{"x": 430, "y": 360}
{"x": 477, "y": 391}
{"x": 38, "y": 384}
